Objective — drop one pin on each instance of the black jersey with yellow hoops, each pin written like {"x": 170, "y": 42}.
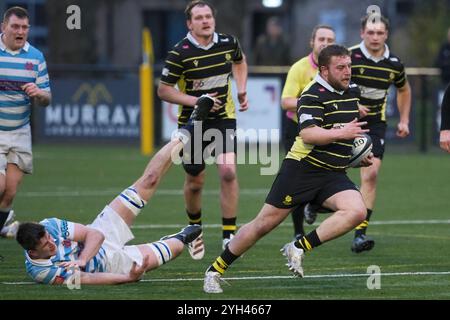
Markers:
{"x": 322, "y": 106}
{"x": 198, "y": 71}
{"x": 374, "y": 79}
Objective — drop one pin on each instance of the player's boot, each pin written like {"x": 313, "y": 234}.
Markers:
{"x": 362, "y": 243}
{"x": 202, "y": 109}
{"x": 187, "y": 234}
{"x": 10, "y": 231}
{"x": 211, "y": 282}
{"x": 197, "y": 247}
{"x": 294, "y": 257}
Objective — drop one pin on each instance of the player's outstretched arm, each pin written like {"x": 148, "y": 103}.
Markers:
{"x": 103, "y": 278}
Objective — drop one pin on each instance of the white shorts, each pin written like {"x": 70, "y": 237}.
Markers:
{"x": 15, "y": 147}
{"x": 120, "y": 257}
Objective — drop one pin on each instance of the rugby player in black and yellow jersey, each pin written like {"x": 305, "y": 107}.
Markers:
{"x": 313, "y": 171}
{"x": 202, "y": 63}
{"x": 374, "y": 70}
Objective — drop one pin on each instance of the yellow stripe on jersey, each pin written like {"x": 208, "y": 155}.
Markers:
{"x": 310, "y": 95}
{"x": 326, "y": 165}
{"x": 174, "y": 64}
{"x": 230, "y": 108}
{"x": 374, "y": 68}
{"x": 334, "y": 154}
{"x": 343, "y": 100}
{"x": 343, "y": 111}
{"x": 174, "y": 52}
{"x": 299, "y": 149}
{"x": 383, "y": 110}
{"x": 311, "y": 107}
{"x": 208, "y": 55}
{"x": 206, "y": 68}
{"x": 370, "y": 78}
{"x": 401, "y": 79}
{"x": 343, "y": 144}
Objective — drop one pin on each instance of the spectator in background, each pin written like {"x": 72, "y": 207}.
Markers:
{"x": 443, "y": 60}
{"x": 272, "y": 48}
{"x": 24, "y": 83}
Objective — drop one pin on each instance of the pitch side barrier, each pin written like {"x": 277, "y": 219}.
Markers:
{"x": 93, "y": 104}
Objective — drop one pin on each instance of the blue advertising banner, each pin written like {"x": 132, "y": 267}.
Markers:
{"x": 90, "y": 110}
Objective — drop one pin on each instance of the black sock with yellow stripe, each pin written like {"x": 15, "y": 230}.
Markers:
{"x": 223, "y": 261}
{"x": 362, "y": 227}
{"x": 308, "y": 242}
{"x": 228, "y": 227}
{"x": 195, "y": 218}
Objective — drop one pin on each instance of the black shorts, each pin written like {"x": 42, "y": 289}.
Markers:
{"x": 299, "y": 182}
{"x": 377, "y": 133}
{"x": 218, "y": 136}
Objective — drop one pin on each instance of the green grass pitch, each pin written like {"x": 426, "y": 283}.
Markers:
{"x": 410, "y": 226}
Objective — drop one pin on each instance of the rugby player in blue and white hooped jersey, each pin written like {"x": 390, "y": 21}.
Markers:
{"x": 24, "y": 82}
{"x": 56, "y": 251}
{"x": 59, "y": 238}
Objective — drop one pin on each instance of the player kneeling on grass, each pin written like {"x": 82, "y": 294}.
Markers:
{"x": 58, "y": 250}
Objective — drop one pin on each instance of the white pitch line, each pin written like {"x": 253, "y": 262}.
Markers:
{"x": 108, "y": 192}
{"x": 285, "y": 224}
{"x": 317, "y": 276}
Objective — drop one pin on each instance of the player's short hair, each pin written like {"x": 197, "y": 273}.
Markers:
{"x": 320, "y": 26}
{"x": 372, "y": 18}
{"x": 19, "y": 12}
{"x": 200, "y": 3}
{"x": 29, "y": 234}
{"x": 334, "y": 50}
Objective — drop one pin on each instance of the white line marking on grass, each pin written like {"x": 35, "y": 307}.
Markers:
{"x": 108, "y": 192}
{"x": 285, "y": 224}
{"x": 316, "y": 276}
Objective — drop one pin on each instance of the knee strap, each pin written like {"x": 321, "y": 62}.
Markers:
{"x": 162, "y": 251}
{"x": 131, "y": 199}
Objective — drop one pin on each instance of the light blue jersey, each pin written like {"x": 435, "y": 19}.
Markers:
{"x": 47, "y": 270}
{"x": 16, "y": 69}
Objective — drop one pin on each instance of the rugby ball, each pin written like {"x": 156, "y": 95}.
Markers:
{"x": 362, "y": 146}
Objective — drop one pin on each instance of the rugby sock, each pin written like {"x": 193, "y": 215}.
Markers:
{"x": 308, "y": 242}
{"x": 223, "y": 261}
{"x": 195, "y": 218}
{"x": 228, "y": 227}
{"x": 362, "y": 227}
{"x": 3, "y": 217}
{"x": 297, "y": 219}
{"x": 162, "y": 251}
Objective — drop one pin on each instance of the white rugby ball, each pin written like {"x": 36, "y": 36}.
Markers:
{"x": 362, "y": 146}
